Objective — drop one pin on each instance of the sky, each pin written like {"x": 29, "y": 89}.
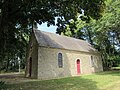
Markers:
{"x": 44, "y": 27}
{"x": 52, "y": 29}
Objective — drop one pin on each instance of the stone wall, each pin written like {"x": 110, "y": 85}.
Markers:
{"x": 48, "y": 63}
{"x": 33, "y": 54}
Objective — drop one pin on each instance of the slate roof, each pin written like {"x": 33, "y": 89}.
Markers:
{"x": 52, "y": 40}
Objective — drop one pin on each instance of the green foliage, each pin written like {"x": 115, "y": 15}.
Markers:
{"x": 2, "y": 85}
{"x": 107, "y": 33}
{"x": 103, "y": 34}
{"x": 18, "y": 17}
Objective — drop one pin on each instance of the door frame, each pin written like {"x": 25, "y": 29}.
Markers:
{"x": 30, "y": 66}
{"x": 78, "y": 66}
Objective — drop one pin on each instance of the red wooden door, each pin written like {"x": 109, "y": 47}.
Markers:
{"x": 78, "y": 66}
{"x": 30, "y": 67}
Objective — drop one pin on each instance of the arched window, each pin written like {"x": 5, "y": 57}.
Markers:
{"x": 60, "y": 60}
{"x": 92, "y": 61}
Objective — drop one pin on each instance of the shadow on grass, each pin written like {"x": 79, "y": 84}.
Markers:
{"x": 72, "y": 83}
{"x": 87, "y": 82}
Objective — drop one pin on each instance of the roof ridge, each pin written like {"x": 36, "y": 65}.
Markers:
{"x": 53, "y": 40}
{"x": 62, "y": 35}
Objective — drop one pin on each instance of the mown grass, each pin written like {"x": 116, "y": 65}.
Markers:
{"x": 99, "y": 81}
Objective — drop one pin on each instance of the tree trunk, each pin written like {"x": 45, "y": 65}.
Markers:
{"x": 3, "y": 30}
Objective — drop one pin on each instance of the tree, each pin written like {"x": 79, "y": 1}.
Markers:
{"x": 108, "y": 32}
{"x": 103, "y": 34}
{"x": 17, "y": 17}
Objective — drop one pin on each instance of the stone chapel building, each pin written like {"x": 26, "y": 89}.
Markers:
{"x": 52, "y": 56}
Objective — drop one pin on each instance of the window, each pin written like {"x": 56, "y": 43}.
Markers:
{"x": 92, "y": 61}
{"x": 60, "y": 60}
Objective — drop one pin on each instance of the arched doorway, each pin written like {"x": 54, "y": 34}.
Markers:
{"x": 30, "y": 67}
{"x": 78, "y": 66}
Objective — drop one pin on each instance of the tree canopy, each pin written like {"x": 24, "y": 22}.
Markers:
{"x": 103, "y": 34}
{"x": 17, "y": 18}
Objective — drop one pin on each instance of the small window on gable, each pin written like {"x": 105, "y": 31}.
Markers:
{"x": 60, "y": 60}
{"x": 92, "y": 61}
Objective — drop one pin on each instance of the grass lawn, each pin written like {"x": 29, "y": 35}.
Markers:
{"x": 109, "y": 80}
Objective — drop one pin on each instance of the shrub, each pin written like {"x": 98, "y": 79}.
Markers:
{"x": 2, "y": 85}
